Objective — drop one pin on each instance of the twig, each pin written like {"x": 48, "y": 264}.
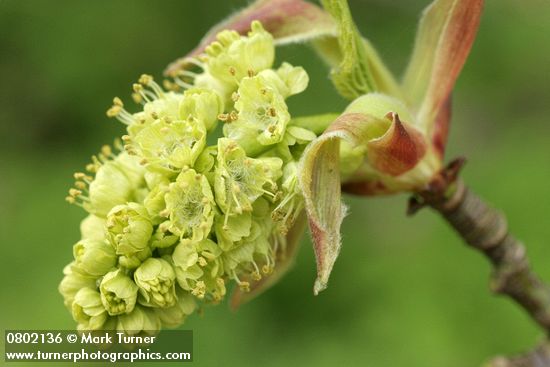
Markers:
{"x": 538, "y": 357}
{"x": 485, "y": 229}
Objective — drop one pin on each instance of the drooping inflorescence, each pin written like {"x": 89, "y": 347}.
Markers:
{"x": 173, "y": 220}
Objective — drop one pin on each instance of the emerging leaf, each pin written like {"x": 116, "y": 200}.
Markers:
{"x": 320, "y": 181}
{"x": 444, "y": 39}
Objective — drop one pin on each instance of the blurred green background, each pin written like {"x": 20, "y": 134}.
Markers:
{"x": 405, "y": 291}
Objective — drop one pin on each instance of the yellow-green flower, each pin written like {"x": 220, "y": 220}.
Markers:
{"x": 156, "y": 281}
{"x": 88, "y": 310}
{"x": 232, "y": 56}
{"x": 190, "y": 206}
{"x": 72, "y": 282}
{"x": 129, "y": 228}
{"x": 240, "y": 180}
{"x": 118, "y": 293}
{"x": 94, "y": 258}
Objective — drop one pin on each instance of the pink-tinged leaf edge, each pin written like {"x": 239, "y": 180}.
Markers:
{"x": 289, "y": 21}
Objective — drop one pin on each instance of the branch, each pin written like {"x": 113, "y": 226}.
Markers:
{"x": 539, "y": 357}
{"x": 485, "y": 229}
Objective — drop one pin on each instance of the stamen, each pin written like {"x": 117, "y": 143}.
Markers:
{"x": 202, "y": 262}
{"x": 194, "y": 61}
{"x": 182, "y": 84}
{"x": 256, "y": 273}
{"x": 138, "y": 88}
{"x": 245, "y": 286}
{"x": 200, "y": 290}
{"x": 233, "y": 116}
{"x": 118, "y": 111}
{"x": 137, "y": 98}
{"x": 92, "y": 168}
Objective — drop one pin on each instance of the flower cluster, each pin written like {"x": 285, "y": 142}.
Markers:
{"x": 172, "y": 220}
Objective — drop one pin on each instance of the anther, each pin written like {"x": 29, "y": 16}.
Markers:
{"x": 233, "y": 115}
{"x": 256, "y": 275}
{"x": 75, "y": 192}
{"x": 137, "y": 98}
{"x": 145, "y": 79}
{"x": 106, "y": 151}
{"x": 118, "y": 102}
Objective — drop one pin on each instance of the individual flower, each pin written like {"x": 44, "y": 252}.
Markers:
{"x": 190, "y": 206}
{"x": 93, "y": 228}
{"x": 168, "y": 146}
{"x": 88, "y": 310}
{"x": 262, "y": 114}
{"x": 134, "y": 260}
{"x": 94, "y": 258}
{"x": 154, "y": 201}
{"x": 72, "y": 282}
{"x": 118, "y": 179}
{"x": 240, "y": 180}
{"x": 156, "y": 281}
{"x": 141, "y": 321}
{"x": 199, "y": 269}
{"x": 232, "y": 56}
{"x": 291, "y": 203}
{"x": 129, "y": 228}
{"x": 202, "y": 106}
{"x": 175, "y": 315}
{"x": 118, "y": 293}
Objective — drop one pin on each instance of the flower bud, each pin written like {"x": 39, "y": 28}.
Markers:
{"x": 135, "y": 260}
{"x": 94, "y": 258}
{"x": 129, "y": 228}
{"x": 93, "y": 228}
{"x": 116, "y": 182}
{"x": 140, "y": 320}
{"x": 154, "y": 200}
{"x": 118, "y": 293}
{"x": 72, "y": 282}
{"x": 87, "y": 310}
{"x": 156, "y": 279}
{"x": 233, "y": 57}
{"x": 162, "y": 239}
{"x": 201, "y": 105}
